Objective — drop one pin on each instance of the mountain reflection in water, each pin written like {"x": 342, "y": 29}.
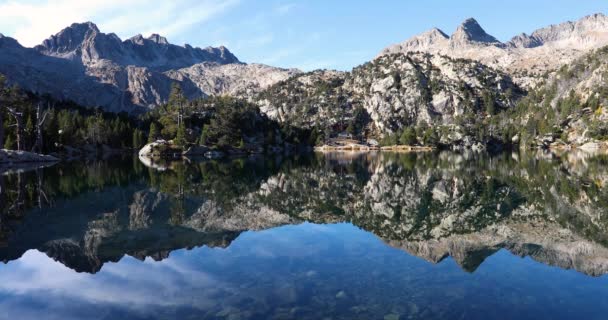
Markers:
{"x": 336, "y": 235}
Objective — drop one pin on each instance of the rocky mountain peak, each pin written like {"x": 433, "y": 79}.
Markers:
{"x": 138, "y": 39}
{"x": 524, "y": 40}
{"x": 158, "y": 39}
{"x": 435, "y": 33}
{"x": 595, "y": 16}
{"x": 471, "y": 31}
{"x": 70, "y": 38}
{"x": 85, "y": 26}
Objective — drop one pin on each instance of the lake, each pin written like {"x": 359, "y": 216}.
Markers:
{"x": 322, "y": 236}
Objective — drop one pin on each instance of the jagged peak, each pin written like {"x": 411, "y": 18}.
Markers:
{"x": 435, "y": 32}
{"x": 83, "y": 26}
{"x": 470, "y": 22}
{"x": 595, "y": 16}
{"x": 138, "y": 38}
{"x": 158, "y": 38}
{"x": 471, "y": 30}
{"x": 523, "y": 40}
{"x": 69, "y": 38}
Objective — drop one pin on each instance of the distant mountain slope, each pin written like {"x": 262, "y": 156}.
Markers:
{"x": 92, "y": 68}
{"x": 544, "y": 50}
{"x": 569, "y": 106}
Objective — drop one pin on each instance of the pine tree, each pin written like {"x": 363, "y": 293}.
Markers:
{"x": 29, "y": 131}
{"x": 180, "y": 137}
{"x": 3, "y": 94}
{"x": 430, "y": 137}
{"x": 153, "y": 135}
{"x": 138, "y": 139}
{"x": 488, "y": 101}
{"x": 204, "y": 135}
{"x": 174, "y": 112}
{"x": 9, "y": 142}
{"x": 408, "y": 137}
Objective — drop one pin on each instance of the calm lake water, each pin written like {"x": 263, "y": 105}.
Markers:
{"x": 334, "y": 236}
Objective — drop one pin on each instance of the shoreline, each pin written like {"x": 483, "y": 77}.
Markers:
{"x": 399, "y": 148}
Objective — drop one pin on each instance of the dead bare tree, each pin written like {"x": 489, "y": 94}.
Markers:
{"x": 40, "y": 118}
{"x": 19, "y": 127}
{"x": 41, "y": 193}
{"x": 1, "y": 127}
{"x": 2, "y": 98}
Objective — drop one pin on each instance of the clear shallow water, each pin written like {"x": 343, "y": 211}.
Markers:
{"x": 388, "y": 236}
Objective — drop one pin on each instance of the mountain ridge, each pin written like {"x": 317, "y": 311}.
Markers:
{"x": 87, "y": 42}
{"x": 545, "y": 49}
{"x": 95, "y": 69}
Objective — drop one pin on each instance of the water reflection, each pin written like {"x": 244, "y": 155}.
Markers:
{"x": 306, "y": 271}
{"x": 430, "y": 205}
{"x": 462, "y": 212}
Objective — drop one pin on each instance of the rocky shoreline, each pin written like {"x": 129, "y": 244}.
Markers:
{"x": 367, "y": 148}
{"x": 19, "y": 161}
{"x": 9, "y": 157}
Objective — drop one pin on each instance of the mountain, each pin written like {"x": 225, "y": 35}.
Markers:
{"x": 470, "y": 32}
{"x": 82, "y": 64}
{"x": 543, "y": 50}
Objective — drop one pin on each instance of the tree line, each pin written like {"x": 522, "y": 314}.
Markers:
{"x": 31, "y": 122}
{"x": 37, "y": 123}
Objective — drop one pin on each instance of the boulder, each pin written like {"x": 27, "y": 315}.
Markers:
{"x": 161, "y": 149}
{"x": 590, "y": 146}
{"x": 515, "y": 139}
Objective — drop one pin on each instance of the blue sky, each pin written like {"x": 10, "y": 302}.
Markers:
{"x": 288, "y": 33}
